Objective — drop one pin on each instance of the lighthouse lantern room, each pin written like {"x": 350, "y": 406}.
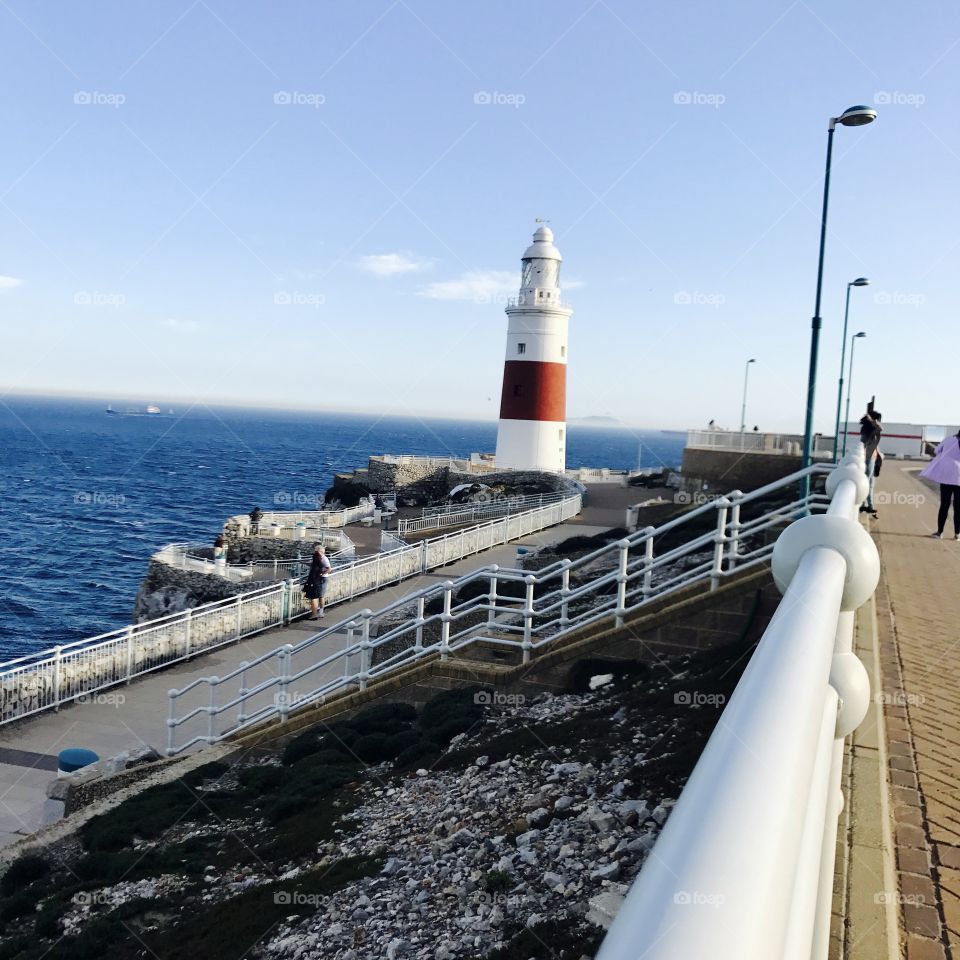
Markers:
{"x": 532, "y": 434}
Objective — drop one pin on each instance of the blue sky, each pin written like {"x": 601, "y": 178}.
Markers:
{"x": 318, "y": 204}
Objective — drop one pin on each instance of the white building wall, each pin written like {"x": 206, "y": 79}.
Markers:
{"x": 532, "y": 445}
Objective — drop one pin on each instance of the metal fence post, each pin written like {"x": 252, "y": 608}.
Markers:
{"x": 129, "y": 653}
{"x": 565, "y": 593}
{"x": 736, "y": 496}
{"x": 719, "y": 538}
{"x": 445, "y": 618}
{"x": 57, "y": 667}
{"x": 365, "y": 656}
{"x": 239, "y": 615}
{"x": 241, "y": 716}
{"x": 171, "y": 720}
{"x": 283, "y": 694}
{"x": 418, "y": 643}
{"x": 647, "y": 561}
{"x": 620, "y": 612}
{"x": 212, "y": 711}
{"x": 527, "y": 644}
{"x": 188, "y": 632}
{"x": 492, "y": 596}
{"x": 351, "y": 633}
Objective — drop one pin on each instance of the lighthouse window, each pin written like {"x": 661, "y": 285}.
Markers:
{"x": 563, "y": 350}
{"x": 517, "y": 389}
{"x": 521, "y": 348}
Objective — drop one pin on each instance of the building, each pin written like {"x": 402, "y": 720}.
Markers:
{"x": 532, "y": 434}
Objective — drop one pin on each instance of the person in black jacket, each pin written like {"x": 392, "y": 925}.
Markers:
{"x": 315, "y": 588}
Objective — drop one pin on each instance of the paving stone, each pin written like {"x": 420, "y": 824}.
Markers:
{"x": 920, "y": 948}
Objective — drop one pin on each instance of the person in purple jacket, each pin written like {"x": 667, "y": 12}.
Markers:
{"x": 945, "y": 470}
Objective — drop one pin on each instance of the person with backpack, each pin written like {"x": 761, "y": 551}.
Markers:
{"x": 945, "y": 470}
{"x": 315, "y": 588}
{"x": 870, "y": 434}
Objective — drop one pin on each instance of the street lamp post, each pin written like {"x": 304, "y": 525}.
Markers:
{"x": 743, "y": 408}
{"x": 859, "y": 282}
{"x": 853, "y": 343}
{"x": 855, "y": 116}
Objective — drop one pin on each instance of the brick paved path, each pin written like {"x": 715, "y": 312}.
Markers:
{"x": 919, "y": 632}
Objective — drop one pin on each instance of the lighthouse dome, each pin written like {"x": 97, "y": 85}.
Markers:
{"x": 542, "y": 247}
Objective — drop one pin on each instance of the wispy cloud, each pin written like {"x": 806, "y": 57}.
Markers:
{"x": 392, "y": 264}
{"x": 7, "y": 283}
{"x": 480, "y": 286}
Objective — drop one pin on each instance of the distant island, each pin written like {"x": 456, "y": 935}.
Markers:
{"x": 597, "y": 422}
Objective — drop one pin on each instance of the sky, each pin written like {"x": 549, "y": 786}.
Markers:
{"x": 325, "y": 204}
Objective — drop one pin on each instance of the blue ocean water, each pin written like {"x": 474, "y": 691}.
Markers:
{"x": 86, "y": 498}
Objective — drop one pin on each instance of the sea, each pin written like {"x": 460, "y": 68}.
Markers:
{"x": 86, "y": 497}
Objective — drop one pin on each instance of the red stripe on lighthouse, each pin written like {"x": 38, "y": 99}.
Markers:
{"x": 533, "y": 390}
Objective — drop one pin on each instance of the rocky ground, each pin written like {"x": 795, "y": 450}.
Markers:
{"x": 482, "y": 826}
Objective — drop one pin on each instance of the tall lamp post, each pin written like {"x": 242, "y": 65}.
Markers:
{"x": 743, "y": 408}
{"x": 859, "y": 282}
{"x": 855, "y": 116}
{"x": 853, "y": 343}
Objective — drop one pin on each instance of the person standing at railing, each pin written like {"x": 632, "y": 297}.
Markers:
{"x": 870, "y": 434}
{"x": 220, "y": 551}
{"x": 945, "y": 470}
{"x": 256, "y": 515}
{"x": 315, "y": 588}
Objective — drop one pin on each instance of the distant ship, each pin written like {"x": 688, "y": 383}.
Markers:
{"x": 151, "y": 410}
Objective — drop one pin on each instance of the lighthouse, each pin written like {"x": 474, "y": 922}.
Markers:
{"x": 532, "y": 434}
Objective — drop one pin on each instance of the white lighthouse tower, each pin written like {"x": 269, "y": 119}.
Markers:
{"x": 533, "y": 406}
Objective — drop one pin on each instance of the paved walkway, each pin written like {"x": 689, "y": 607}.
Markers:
{"x": 125, "y": 717}
{"x": 918, "y": 611}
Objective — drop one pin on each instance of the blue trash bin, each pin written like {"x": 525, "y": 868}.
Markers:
{"x": 74, "y": 758}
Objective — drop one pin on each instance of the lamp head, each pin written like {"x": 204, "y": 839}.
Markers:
{"x": 752, "y": 360}
{"x": 857, "y": 336}
{"x": 860, "y": 282}
{"x": 857, "y": 116}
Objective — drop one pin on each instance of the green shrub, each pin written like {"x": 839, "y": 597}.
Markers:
{"x": 18, "y": 905}
{"x": 299, "y": 747}
{"x": 260, "y": 780}
{"x": 23, "y": 871}
{"x": 421, "y": 751}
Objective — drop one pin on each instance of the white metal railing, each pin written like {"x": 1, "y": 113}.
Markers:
{"x": 744, "y": 867}
{"x": 287, "y": 523}
{"x": 749, "y": 441}
{"x": 452, "y": 515}
{"x": 49, "y": 678}
{"x": 390, "y": 541}
{"x": 504, "y": 606}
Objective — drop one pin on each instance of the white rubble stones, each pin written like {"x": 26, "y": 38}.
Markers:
{"x": 473, "y": 854}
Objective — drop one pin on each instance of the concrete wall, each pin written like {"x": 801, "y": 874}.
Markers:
{"x": 725, "y": 470}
